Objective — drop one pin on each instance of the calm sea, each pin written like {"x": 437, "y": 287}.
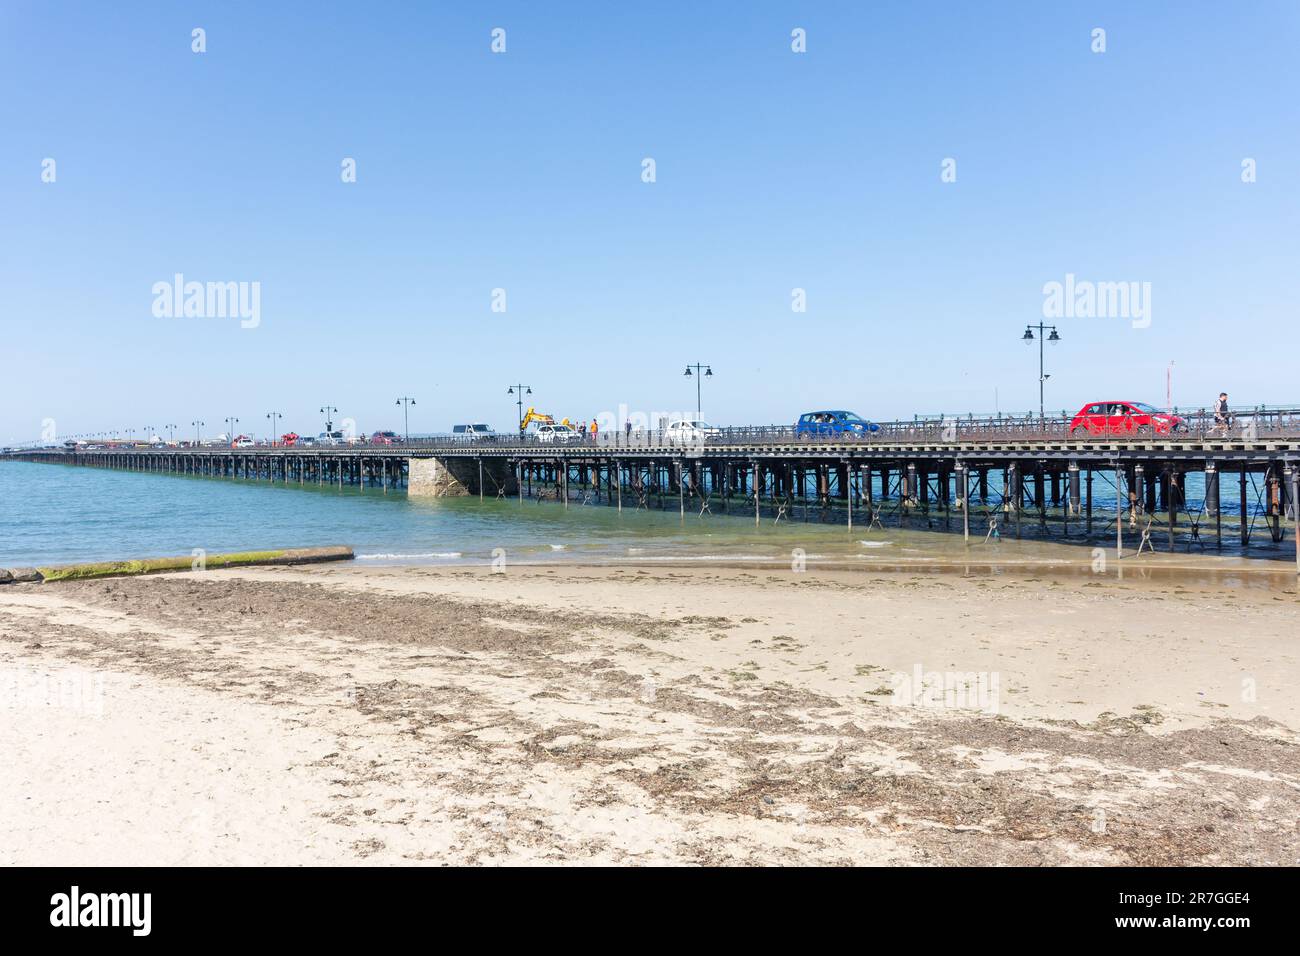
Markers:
{"x": 51, "y": 514}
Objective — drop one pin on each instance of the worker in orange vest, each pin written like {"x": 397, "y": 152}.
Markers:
{"x": 593, "y": 429}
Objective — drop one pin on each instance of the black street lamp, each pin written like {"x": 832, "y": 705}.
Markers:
{"x": 171, "y": 431}
{"x": 231, "y": 422}
{"x": 274, "y": 416}
{"x": 198, "y": 435}
{"x": 406, "y": 402}
{"x": 708, "y": 373}
{"x": 1028, "y": 338}
{"x": 327, "y": 411}
{"x": 520, "y": 391}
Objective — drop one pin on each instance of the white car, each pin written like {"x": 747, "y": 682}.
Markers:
{"x": 686, "y": 432}
{"x": 331, "y": 438}
{"x": 243, "y": 441}
{"x": 472, "y": 432}
{"x": 556, "y": 433}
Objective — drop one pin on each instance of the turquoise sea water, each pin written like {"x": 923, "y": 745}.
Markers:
{"x": 58, "y": 514}
{"x": 52, "y": 514}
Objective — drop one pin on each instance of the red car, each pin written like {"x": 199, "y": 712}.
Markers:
{"x": 385, "y": 438}
{"x": 1124, "y": 418}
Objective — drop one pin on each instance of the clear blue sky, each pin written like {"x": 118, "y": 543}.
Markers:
{"x": 523, "y": 171}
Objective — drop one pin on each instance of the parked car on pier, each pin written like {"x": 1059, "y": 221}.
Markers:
{"x": 305, "y": 441}
{"x": 289, "y": 439}
{"x": 385, "y": 438}
{"x": 472, "y": 432}
{"x": 1124, "y": 418}
{"x": 331, "y": 438}
{"x": 243, "y": 441}
{"x": 561, "y": 434}
{"x": 837, "y": 422}
{"x": 688, "y": 432}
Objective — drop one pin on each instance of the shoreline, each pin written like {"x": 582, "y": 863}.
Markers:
{"x": 1211, "y": 568}
{"x": 1284, "y": 579}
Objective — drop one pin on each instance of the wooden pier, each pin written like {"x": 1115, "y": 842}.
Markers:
{"x": 1017, "y": 484}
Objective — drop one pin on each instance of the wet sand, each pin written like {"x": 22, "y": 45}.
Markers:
{"x": 561, "y": 714}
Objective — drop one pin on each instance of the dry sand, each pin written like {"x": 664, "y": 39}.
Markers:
{"x": 347, "y": 714}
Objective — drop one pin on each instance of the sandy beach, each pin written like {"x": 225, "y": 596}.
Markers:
{"x": 647, "y": 715}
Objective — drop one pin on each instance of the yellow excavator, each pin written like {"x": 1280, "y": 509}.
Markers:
{"x": 540, "y": 418}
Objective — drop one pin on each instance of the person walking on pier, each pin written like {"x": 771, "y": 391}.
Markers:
{"x": 1222, "y": 417}
{"x": 594, "y": 429}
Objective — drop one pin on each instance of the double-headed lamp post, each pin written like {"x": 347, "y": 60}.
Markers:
{"x": 327, "y": 411}
{"x": 231, "y": 422}
{"x": 707, "y": 373}
{"x": 171, "y": 431}
{"x": 1027, "y": 338}
{"x": 274, "y": 417}
{"x": 406, "y": 402}
{"x": 198, "y": 433}
{"x": 519, "y": 391}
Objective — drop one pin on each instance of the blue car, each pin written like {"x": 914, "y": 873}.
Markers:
{"x": 833, "y": 423}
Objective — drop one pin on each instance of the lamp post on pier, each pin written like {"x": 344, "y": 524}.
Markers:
{"x": 171, "y": 431}
{"x": 1028, "y": 338}
{"x": 274, "y": 417}
{"x": 198, "y": 435}
{"x": 520, "y": 391}
{"x": 406, "y": 402}
{"x": 327, "y": 411}
{"x": 231, "y": 422}
{"x": 708, "y": 373}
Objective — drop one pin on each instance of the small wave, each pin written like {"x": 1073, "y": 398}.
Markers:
{"x": 710, "y": 557}
{"x": 897, "y": 560}
{"x": 559, "y": 547}
{"x": 408, "y": 557}
{"x": 875, "y": 544}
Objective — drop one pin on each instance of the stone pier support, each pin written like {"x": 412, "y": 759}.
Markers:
{"x": 457, "y": 477}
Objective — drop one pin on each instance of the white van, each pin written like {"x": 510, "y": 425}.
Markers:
{"x": 472, "y": 432}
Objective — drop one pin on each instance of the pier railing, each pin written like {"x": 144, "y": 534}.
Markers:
{"x": 1251, "y": 425}
{"x": 1245, "y": 425}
